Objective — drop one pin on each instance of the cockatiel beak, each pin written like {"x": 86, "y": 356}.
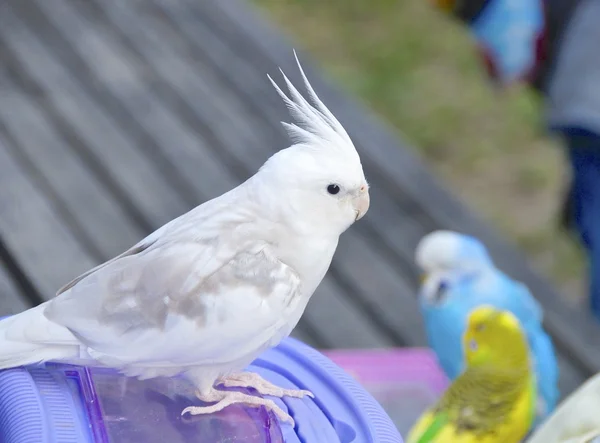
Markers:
{"x": 361, "y": 202}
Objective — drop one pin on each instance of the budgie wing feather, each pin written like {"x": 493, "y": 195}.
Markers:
{"x": 203, "y": 291}
{"x": 456, "y": 425}
{"x": 473, "y": 409}
{"x": 428, "y": 427}
{"x": 451, "y": 416}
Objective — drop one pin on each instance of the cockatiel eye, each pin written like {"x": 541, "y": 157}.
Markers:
{"x": 333, "y": 189}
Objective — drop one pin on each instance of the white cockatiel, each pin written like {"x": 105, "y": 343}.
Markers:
{"x": 575, "y": 420}
{"x": 206, "y": 293}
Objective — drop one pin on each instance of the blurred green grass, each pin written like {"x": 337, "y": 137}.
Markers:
{"x": 418, "y": 69}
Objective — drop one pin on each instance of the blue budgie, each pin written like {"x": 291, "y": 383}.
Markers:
{"x": 459, "y": 275}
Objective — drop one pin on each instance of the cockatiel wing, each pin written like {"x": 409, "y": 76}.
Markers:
{"x": 137, "y": 248}
{"x": 201, "y": 290}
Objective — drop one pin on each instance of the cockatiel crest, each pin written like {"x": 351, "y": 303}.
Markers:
{"x": 316, "y": 127}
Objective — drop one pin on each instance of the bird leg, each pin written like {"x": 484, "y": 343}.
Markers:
{"x": 228, "y": 398}
{"x": 262, "y": 386}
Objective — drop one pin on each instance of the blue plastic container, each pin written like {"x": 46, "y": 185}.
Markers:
{"x": 55, "y": 403}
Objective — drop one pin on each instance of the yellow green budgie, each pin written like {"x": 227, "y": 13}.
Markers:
{"x": 576, "y": 419}
{"x": 493, "y": 400}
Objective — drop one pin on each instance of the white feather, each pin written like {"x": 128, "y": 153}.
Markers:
{"x": 316, "y": 125}
{"x": 30, "y": 338}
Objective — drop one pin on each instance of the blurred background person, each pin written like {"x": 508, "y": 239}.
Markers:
{"x": 552, "y": 45}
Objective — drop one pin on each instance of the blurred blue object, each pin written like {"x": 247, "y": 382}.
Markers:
{"x": 509, "y": 31}
{"x": 460, "y": 275}
{"x": 584, "y": 201}
{"x": 573, "y": 111}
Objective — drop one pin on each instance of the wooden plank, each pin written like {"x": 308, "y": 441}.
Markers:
{"x": 11, "y": 301}
{"x": 340, "y": 324}
{"x": 33, "y": 231}
{"x": 83, "y": 201}
{"x": 102, "y": 49}
{"x": 397, "y": 226}
{"x": 133, "y": 177}
{"x": 574, "y": 331}
{"x": 199, "y": 173}
{"x": 254, "y": 153}
{"x": 209, "y": 48}
{"x": 380, "y": 289}
{"x": 201, "y": 97}
{"x": 302, "y": 335}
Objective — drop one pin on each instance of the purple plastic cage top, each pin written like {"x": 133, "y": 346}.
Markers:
{"x": 405, "y": 381}
{"x": 56, "y": 403}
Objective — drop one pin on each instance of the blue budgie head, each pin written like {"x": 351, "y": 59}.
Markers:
{"x": 446, "y": 257}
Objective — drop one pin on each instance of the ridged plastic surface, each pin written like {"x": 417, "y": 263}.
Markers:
{"x": 59, "y": 404}
{"x": 38, "y": 406}
{"x": 21, "y": 413}
{"x": 33, "y": 401}
{"x": 342, "y": 411}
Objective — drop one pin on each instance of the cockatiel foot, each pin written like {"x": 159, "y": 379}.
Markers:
{"x": 228, "y": 398}
{"x": 262, "y": 386}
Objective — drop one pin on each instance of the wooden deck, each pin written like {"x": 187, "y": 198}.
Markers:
{"x": 117, "y": 116}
